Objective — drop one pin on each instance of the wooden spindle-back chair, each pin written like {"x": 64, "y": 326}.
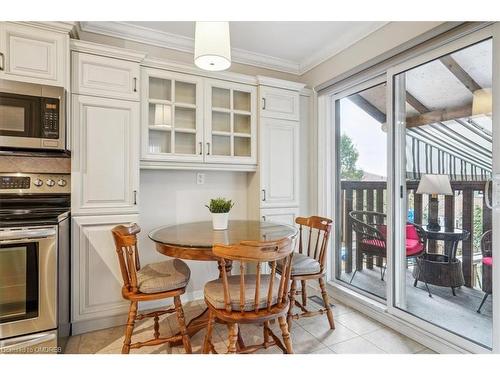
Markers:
{"x": 172, "y": 277}
{"x": 251, "y": 297}
{"x": 309, "y": 264}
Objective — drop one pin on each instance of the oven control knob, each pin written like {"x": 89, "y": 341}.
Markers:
{"x": 50, "y": 182}
{"x": 38, "y": 182}
{"x": 62, "y": 182}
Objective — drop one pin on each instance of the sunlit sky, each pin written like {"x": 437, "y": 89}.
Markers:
{"x": 367, "y": 136}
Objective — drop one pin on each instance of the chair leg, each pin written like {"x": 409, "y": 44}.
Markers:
{"x": 233, "y": 338}
{"x": 482, "y": 302}
{"x": 304, "y": 292}
{"x": 132, "y": 314}
{"x": 293, "y": 289}
{"x": 286, "y": 335}
{"x": 208, "y": 335}
{"x": 266, "y": 332}
{"x": 352, "y": 277}
{"x": 182, "y": 324}
{"x": 326, "y": 301}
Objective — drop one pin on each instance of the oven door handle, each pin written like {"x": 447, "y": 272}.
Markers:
{"x": 28, "y": 235}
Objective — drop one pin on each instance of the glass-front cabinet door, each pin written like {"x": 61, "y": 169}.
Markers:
{"x": 172, "y": 119}
{"x": 230, "y": 123}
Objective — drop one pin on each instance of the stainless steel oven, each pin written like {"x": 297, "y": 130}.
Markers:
{"x": 34, "y": 262}
{"x": 32, "y": 116}
{"x": 28, "y": 280}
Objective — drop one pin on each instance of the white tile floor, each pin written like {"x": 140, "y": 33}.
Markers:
{"x": 355, "y": 333}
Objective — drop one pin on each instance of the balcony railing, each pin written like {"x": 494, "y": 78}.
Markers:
{"x": 371, "y": 196}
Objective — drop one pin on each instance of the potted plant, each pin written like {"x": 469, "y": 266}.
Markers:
{"x": 219, "y": 208}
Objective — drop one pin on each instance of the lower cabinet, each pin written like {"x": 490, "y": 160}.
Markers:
{"x": 280, "y": 215}
{"x": 96, "y": 278}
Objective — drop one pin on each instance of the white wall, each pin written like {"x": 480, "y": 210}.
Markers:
{"x": 171, "y": 197}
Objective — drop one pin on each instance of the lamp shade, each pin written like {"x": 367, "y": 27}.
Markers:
{"x": 435, "y": 184}
{"x": 482, "y": 102}
{"x": 212, "y": 46}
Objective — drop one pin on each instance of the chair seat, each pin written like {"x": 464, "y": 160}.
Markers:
{"x": 488, "y": 261}
{"x": 302, "y": 265}
{"x": 214, "y": 292}
{"x": 413, "y": 246}
{"x": 163, "y": 276}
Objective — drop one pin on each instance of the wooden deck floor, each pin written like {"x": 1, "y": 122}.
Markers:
{"x": 454, "y": 313}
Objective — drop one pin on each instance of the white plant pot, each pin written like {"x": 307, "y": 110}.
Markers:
{"x": 219, "y": 221}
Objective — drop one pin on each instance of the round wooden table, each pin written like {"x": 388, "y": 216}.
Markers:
{"x": 194, "y": 241}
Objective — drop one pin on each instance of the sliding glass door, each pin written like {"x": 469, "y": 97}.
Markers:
{"x": 443, "y": 124}
{"x": 414, "y": 157}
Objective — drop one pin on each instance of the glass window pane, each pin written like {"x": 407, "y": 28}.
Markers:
{"x": 362, "y": 250}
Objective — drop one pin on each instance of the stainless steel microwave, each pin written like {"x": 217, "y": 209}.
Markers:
{"x": 32, "y": 116}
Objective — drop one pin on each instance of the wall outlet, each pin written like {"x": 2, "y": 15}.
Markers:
{"x": 200, "y": 178}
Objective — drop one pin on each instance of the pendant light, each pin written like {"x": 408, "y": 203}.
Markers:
{"x": 212, "y": 46}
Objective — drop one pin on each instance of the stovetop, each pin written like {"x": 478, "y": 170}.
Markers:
{"x": 33, "y": 199}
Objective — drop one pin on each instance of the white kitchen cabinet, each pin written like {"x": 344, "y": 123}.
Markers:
{"x": 33, "y": 54}
{"x": 279, "y": 163}
{"x": 279, "y": 103}
{"x": 96, "y": 278}
{"x": 105, "y": 163}
{"x": 172, "y": 116}
{"x": 230, "y": 123}
{"x": 286, "y": 215}
{"x": 105, "y": 76}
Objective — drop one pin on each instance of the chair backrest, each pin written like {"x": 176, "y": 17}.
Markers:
{"x": 257, "y": 252}
{"x": 128, "y": 254}
{"x": 487, "y": 244}
{"x": 314, "y": 233}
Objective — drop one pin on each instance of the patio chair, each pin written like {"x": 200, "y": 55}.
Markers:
{"x": 371, "y": 233}
{"x": 486, "y": 251}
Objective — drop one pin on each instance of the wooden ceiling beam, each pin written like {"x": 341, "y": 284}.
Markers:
{"x": 460, "y": 73}
{"x": 439, "y": 116}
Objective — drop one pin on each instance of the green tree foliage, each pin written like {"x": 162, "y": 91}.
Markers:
{"x": 348, "y": 159}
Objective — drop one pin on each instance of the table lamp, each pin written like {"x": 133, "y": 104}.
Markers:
{"x": 434, "y": 184}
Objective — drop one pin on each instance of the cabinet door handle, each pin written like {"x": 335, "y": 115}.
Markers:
{"x": 263, "y": 103}
{"x": 135, "y": 197}
{"x": 263, "y": 218}
{"x": 208, "y": 148}
{"x": 201, "y": 148}
{"x": 2, "y": 66}
{"x": 135, "y": 84}
{"x": 264, "y": 195}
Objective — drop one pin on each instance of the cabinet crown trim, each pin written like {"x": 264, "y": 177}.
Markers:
{"x": 57, "y": 26}
{"x": 280, "y": 83}
{"x": 106, "y": 50}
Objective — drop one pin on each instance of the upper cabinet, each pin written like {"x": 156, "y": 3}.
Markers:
{"x": 34, "y": 54}
{"x": 105, "y": 165}
{"x": 105, "y": 76}
{"x": 230, "y": 123}
{"x": 279, "y": 103}
{"x": 195, "y": 122}
{"x": 172, "y": 116}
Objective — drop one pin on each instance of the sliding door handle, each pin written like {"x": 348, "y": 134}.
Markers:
{"x": 487, "y": 194}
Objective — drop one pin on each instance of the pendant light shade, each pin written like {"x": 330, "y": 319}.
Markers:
{"x": 482, "y": 102}
{"x": 212, "y": 46}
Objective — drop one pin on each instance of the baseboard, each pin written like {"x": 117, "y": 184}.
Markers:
{"x": 77, "y": 328}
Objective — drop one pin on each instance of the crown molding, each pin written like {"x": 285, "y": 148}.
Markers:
{"x": 151, "y": 62}
{"x": 145, "y": 35}
{"x": 176, "y": 42}
{"x": 280, "y": 83}
{"x": 105, "y": 50}
{"x": 334, "y": 48}
{"x": 65, "y": 27}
